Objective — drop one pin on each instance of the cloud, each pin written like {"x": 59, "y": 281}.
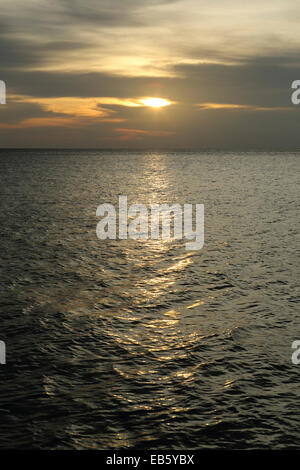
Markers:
{"x": 139, "y": 134}
{"x": 110, "y": 13}
{"x": 43, "y": 122}
{"x": 143, "y": 38}
{"x": 73, "y": 106}
{"x": 100, "y": 107}
{"x": 242, "y": 107}
{"x": 109, "y": 31}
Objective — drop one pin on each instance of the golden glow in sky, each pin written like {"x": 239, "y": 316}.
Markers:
{"x": 155, "y": 102}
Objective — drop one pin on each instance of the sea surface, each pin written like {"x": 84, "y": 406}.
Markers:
{"x": 142, "y": 344}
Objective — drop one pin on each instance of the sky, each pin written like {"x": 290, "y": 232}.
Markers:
{"x": 83, "y": 73}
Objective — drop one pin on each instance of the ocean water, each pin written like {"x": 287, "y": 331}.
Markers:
{"x": 142, "y": 344}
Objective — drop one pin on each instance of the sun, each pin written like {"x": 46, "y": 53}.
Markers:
{"x": 155, "y": 102}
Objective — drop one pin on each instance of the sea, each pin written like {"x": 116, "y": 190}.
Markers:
{"x": 143, "y": 344}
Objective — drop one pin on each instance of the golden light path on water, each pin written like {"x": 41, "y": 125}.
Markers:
{"x": 168, "y": 337}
